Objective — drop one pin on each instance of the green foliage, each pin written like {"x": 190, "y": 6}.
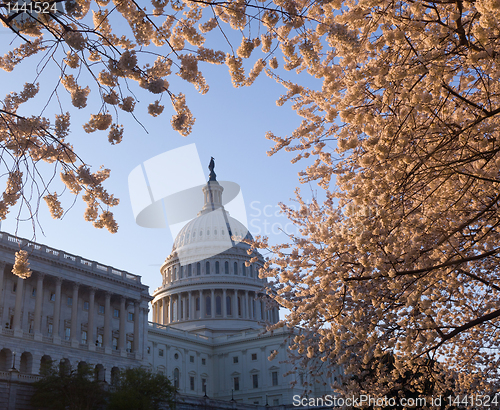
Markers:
{"x": 140, "y": 389}
{"x": 64, "y": 388}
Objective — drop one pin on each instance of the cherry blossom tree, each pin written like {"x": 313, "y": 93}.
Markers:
{"x": 402, "y": 256}
{"x": 401, "y": 134}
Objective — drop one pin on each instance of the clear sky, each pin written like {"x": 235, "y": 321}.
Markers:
{"x": 230, "y": 126}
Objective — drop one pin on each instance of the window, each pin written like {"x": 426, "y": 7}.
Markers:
{"x": 217, "y": 268}
{"x": 218, "y": 305}
{"x": 255, "y": 381}
{"x": 226, "y": 268}
{"x": 175, "y": 273}
{"x": 49, "y": 329}
{"x": 191, "y": 359}
{"x": 228, "y": 305}
{"x": 204, "y": 385}
{"x": 254, "y": 356}
{"x": 198, "y": 268}
{"x": 236, "y": 383}
{"x": 115, "y": 343}
{"x": 129, "y": 346}
{"x": 251, "y": 271}
{"x": 235, "y": 268}
{"x": 149, "y": 349}
{"x": 33, "y": 292}
{"x": 276, "y": 402}
{"x": 84, "y": 337}
{"x": 176, "y": 378}
{"x": 31, "y": 325}
{"x": 130, "y": 316}
{"x": 86, "y": 305}
{"x": 191, "y": 382}
{"x": 208, "y": 306}
{"x": 243, "y": 269}
{"x": 116, "y": 313}
{"x": 98, "y": 342}
{"x": 176, "y": 356}
{"x": 189, "y": 270}
{"x": 67, "y": 333}
{"x": 274, "y": 377}
{"x": 52, "y": 297}
{"x": 203, "y": 361}
{"x": 14, "y": 287}
{"x": 235, "y": 359}
{"x": 160, "y": 352}
{"x": 101, "y": 309}
{"x": 197, "y": 304}
{"x": 70, "y": 301}
{"x": 182, "y": 272}
{"x": 207, "y": 268}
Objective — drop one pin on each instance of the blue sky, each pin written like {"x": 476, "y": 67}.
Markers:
{"x": 230, "y": 126}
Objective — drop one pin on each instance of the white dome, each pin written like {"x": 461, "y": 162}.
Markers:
{"x": 213, "y": 229}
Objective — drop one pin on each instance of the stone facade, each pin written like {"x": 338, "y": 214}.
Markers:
{"x": 207, "y": 332}
{"x": 210, "y": 313}
{"x": 70, "y": 309}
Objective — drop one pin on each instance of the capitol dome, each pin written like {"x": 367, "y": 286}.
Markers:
{"x": 216, "y": 228}
{"x": 208, "y": 281}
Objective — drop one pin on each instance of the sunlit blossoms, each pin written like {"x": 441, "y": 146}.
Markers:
{"x": 21, "y": 265}
{"x": 399, "y": 101}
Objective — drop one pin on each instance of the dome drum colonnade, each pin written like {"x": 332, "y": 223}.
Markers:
{"x": 206, "y": 277}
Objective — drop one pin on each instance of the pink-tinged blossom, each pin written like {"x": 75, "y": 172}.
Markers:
{"x": 21, "y": 265}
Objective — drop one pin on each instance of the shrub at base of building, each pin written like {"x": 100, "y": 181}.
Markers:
{"x": 64, "y": 388}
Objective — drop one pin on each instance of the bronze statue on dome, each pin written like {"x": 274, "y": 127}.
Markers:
{"x": 211, "y": 167}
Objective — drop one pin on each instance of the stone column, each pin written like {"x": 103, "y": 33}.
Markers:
{"x": 107, "y": 323}
{"x": 74, "y": 317}
{"x": 186, "y": 305}
{"x": 91, "y": 338}
{"x": 18, "y": 331}
{"x": 202, "y": 306}
{"x": 246, "y": 311}
{"x": 178, "y": 307}
{"x": 137, "y": 316}
{"x": 212, "y": 302}
{"x": 165, "y": 311}
{"x": 235, "y": 303}
{"x": 258, "y": 309}
{"x": 122, "y": 338}
{"x": 57, "y": 311}
{"x": 224, "y": 304}
{"x": 145, "y": 326}
{"x": 2, "y": 269}
{"x": 190, "y": 305}
{"x": 170, "y": 309}
{"x": 38, "y": 306}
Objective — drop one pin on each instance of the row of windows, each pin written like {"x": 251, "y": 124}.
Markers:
{"x": 86, "y": 306}
{"x": 187, "y": 271}
{"x": 236, "y": 381}
{"x": 176, "y": 356}
{"x": 254, "y": 358}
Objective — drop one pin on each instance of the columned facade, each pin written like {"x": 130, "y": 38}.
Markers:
{"x": 70, "y": 308}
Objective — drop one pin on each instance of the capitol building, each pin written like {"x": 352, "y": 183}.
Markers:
{"x": 207, "y": 328}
